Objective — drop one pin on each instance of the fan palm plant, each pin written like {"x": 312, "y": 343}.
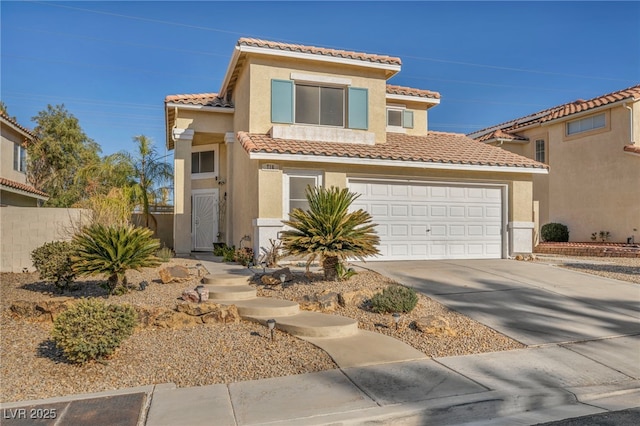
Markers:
{"x": 329, "y": 230}
{"x": 112, "y": 250}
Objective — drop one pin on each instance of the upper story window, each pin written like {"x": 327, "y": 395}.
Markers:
{"x": 585, "y": 124}
{"x": 19, "y": 158}
{"x": 541, "y": 156}
{"x": 321, "y": 105}
{"x": 204, "y": 162}
{"x": 399, "y": 119}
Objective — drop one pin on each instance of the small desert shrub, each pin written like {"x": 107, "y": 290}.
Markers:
{"x": 554, "y": 232}
{"x": 244, "y": 256}
{"x": 344, "y": 273}
{"x": 165, "y": 254}
{"x": 228, "y": 253}
{"x": 53, "y": 263}
{"x": 395, "y": 298}
{"x": 92, "y": 329}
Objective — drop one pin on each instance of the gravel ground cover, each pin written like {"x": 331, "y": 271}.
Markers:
{"x": 618, "y": 268}
{"x": 31, "y": 367}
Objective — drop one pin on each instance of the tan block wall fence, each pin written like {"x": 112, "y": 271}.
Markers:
{"x": 23, "y": 229}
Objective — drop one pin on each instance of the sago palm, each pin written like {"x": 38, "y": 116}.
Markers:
{"x": 329, "y": 231}
{"x": 112, "y": 250}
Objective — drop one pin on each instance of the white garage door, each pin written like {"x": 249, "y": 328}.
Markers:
{"x": 432, "y": 221}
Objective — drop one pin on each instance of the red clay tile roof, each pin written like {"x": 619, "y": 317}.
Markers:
{"x": 15, "y": 123}
{"x": 408, "y": 91}
{"x": 634, "y": 149}
{"x": 561, "y": 111}
{"x": 383, "y": 59}
{"x": 437, "y": 147}
{"x": 203, "y": 99}
{"x": 502, "y": 135}
{"x": 22, "y": 187}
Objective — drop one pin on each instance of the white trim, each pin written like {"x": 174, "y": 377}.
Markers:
{"x": 262, "y": 221}
{"x": 393, "y": 163}
{"x": 320, "y": 79}
{"x": 182, "y": 134}
{"x": 286, "y": 175}
{"x": 201, "y": 108}
{"x": 408, "y": 98}
{"x": 229, "y": 137}
{"x": 216, "y": 162}
{"x": 319, "y": 58}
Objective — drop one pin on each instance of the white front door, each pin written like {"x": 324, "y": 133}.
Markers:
{"x": 204, "y": 221}
{"x": 419, "y": 221}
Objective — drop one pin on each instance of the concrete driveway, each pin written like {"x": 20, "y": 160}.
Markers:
{"x": 534, "y": 303}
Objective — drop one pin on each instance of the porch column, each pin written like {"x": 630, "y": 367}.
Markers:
{"x": 182, "y": 190}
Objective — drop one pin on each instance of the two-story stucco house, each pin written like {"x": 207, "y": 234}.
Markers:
{"x": 593, "y": 150}
{"x": 288, "y": 116}
{"x": 14, "y": 190}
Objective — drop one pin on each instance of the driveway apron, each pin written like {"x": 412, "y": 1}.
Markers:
{"x": 533, "y": 303}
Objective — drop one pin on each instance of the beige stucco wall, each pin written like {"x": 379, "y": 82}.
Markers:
{"x": 243, "y": 186}
{"x": 8, "y": 139}
{"x": 23, "y": 229}
{"x": 13, "y": 199}
{"x": 205, "y": 121}
{"x": 592, "y": 184}
{"x": 270, "y": 188}
{"x": 263, "y": 69}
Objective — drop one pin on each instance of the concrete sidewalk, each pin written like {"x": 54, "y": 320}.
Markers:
{"x": 549, "y": 382}
{"x": 526, "y": 386}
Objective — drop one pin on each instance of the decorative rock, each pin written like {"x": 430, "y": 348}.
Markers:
{"x": 223, "y": 314}
{"x": 46, "y": 310}
{"x": 356, "y": 297}
{"x": 326, "y": 301}
{"x": 190, "y": 295}
{"x": 269, "y": 280}
{"x": 173, "y": 319}
{"x": 287, "y": 273}
{"x": 434, "y": 325}
{"x": 147, "y": 315}
{"x": 174, "y": 274}
{"x": 197, "y": 309}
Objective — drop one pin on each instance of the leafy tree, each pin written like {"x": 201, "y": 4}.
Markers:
{"x": 109, "y": 172}
{"x": 60, "y": 151}
{"x": 112, "y": 250}
{"x": 5, "y": 112}
{"x": 329, "y": 230}
{"x": 148, "y": 171}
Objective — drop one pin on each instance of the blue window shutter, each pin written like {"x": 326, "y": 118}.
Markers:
{"x": 407, "y": 119}
{"x": 358, "y": 108}
{"x": 281, "y": 101}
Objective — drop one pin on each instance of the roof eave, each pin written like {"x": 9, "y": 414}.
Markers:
{"x": 257, "y": 155}
{"x": 407, "y": 98}
{"x": 23, "y": 192}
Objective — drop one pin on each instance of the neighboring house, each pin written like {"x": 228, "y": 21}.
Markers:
{"x": 593, "y": 150}
{"x": 14, "y": 190}
{"x": 288, "y": 116}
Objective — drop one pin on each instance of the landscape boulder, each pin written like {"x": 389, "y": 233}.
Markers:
{"x": 287, "y": 273}
{"x": 174, "y": 319}
{"x": 434, "y": 325}
{"x": 269, "y": 280}
{"x": 175, "y": 273}
{"x": 325, "y": 301}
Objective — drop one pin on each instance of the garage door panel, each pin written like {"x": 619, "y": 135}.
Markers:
{"x": 429, "y": 221}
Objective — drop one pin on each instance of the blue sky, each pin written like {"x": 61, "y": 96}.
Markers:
{"x": 112, "y": 63}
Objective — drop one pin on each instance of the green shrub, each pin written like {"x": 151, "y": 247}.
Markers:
{"x": 165, "y": 254}
{"x": 92, "y": 330}
{"x": 53, "y": 263}
{"x": 395, "y": 298}
{"x": 344, "y": 273}
{"x": 554, "y": 232}
{"x": 112, "y": 250}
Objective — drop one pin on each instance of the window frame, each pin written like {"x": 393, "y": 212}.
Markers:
{"x": 542, "y": 150}
{"x": 216, "y": 162}
{"x": 19, "y": 158}
{"x": 286, "y": 186}
{"x": 581, "y": 131}
{"x": 402, "y": 109}
{"x": 343, "y": 89}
